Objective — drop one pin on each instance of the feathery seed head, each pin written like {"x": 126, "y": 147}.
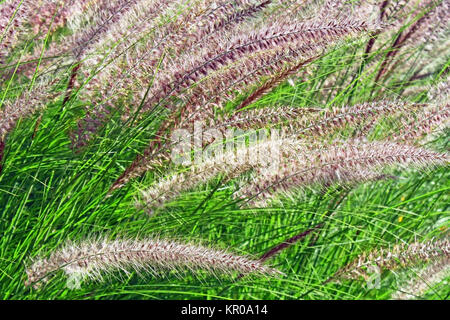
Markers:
{"x": 349, "y": 162}
{"x": 93, "y": 259}
{"x": 401, "y": 255}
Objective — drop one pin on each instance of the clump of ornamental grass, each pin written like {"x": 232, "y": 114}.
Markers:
{"x": 93, "y": 259}
{"x": 207, "y": 42}
{"x": 209, "y": 61}
{"x": 240, "y": 59}
{"x": 158, "y": 51}
{"x": 301, "y": 158}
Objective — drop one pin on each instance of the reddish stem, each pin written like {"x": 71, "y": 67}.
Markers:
{"x": 288, "y": 242}
{"x": 71, "y": 84}
{"x": 2, "y": 149}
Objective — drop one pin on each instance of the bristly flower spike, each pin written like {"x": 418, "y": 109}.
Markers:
{"x": 96, "y": 258}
